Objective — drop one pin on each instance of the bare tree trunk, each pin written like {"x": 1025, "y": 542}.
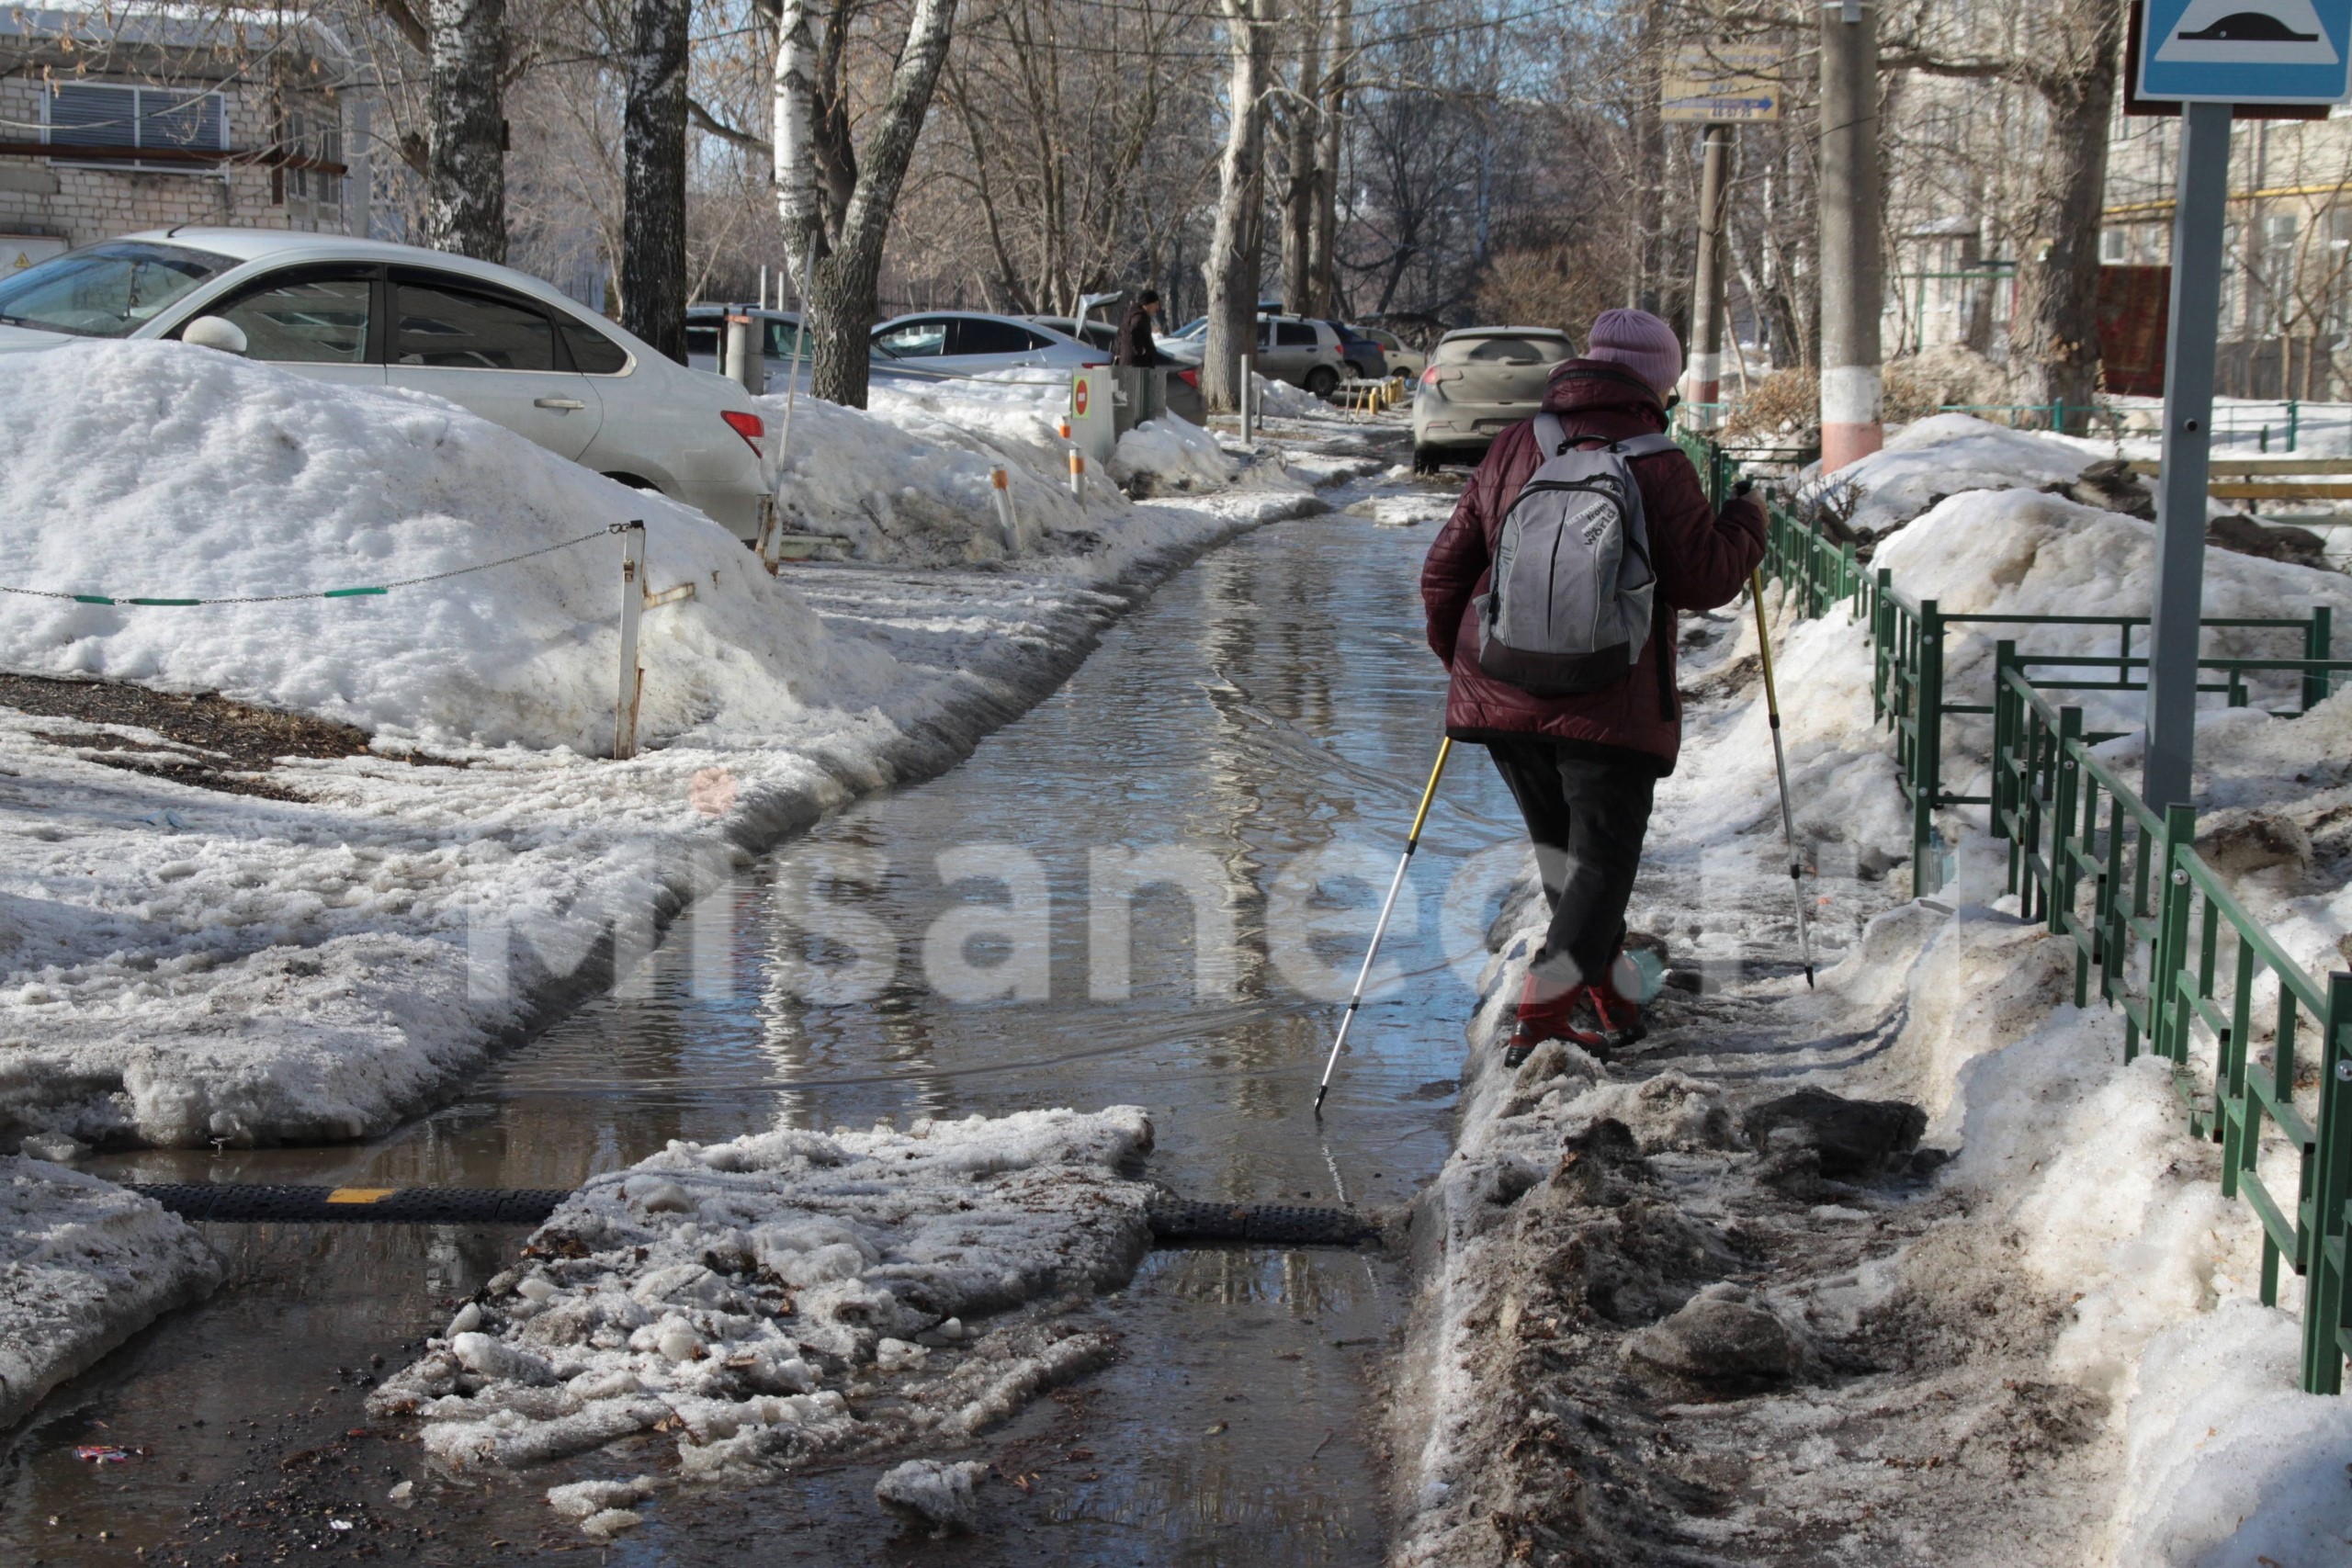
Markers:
{"x": 1231, "y": 271}
{"x": 1302, "y": 147}
{"x": 2059, "y": 281}
{"x": 465, "y": 205}
{"x": 654, "y": 150}
{"x": 809, "y": 149}
{"x": 1322, "y": 265}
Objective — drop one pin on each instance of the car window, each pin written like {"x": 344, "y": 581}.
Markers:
{"x": 314, "y": 316}
{"x": 702, "y": 337}
{"x": 982, "y": 336}
{"x": 784, "y": 339}
{"x": 593, "y": 354}
{"x": 914, "y": 339}
{"x": 1386, "y": 340}
{"x": 450, "y": 327}
{"x": 1294, "y": 334}
{"x": 1531, "y": 349}
{"x": 106, "y": 291}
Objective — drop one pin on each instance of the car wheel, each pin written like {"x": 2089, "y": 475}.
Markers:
{"x": 1322, "y": 381}
{"x": 1357, "y": 372}
{"x": 1424, "y": 459}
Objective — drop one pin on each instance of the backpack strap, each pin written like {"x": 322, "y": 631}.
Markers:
{"x": 1636, "y": 446}
{"x": 1552, "y": 437}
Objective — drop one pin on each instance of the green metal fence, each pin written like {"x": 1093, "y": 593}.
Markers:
{"x": 2259, "y": 1051}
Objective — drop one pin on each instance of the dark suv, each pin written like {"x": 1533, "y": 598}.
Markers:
{"x": 1367, "y": 361}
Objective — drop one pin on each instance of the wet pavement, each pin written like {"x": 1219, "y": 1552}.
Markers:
{"x": 1272, "y": 707}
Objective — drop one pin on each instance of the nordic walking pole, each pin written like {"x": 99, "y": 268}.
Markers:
{"x": 1781, "y": 766}
{"x": 1387, "y": 906}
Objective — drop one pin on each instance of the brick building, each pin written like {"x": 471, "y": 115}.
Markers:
{"x": 129, "y": 119}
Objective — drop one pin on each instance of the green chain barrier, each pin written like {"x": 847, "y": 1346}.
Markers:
{"x": 148, "y": 601}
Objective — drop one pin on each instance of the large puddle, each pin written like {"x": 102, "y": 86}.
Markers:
{"x": 1272, "y": 703}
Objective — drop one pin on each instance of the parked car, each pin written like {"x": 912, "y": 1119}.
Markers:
{"x": 1306, "y": 354}
{"x": 363, "y": 313}
{"x": 779, "y": 341}
{"x": 1093, "y": 331}
{"x": 1481, "y": 381}
{"x": 967, "y": 343}
{"x": 1403, "y": 360}
{"x": 1364, "y": 357}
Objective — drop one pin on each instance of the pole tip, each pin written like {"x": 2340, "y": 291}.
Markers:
{"x": 1808, "y": 977}
{"x": 1318, "y": 1100}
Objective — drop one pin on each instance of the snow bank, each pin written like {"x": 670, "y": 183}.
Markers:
{"x": 906, "y": 482}
{"x": 734, "y": 1293}
{"x": 83, "y": 1266}
{"x": 1948, "y": 454}
{"x": 192, "y": 474}
{"x": 2020, "y": 552}
{"x": 2227, "y": 1461}
{"x": 1169, "y": 454}
{"x": 1281, "y": 400}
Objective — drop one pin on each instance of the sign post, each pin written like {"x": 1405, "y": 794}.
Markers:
{"x": 1719, "y": 85}
{"x": 2208, "y": 55}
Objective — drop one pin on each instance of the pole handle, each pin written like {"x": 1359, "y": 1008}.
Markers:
{"x": 1444, "y": 750}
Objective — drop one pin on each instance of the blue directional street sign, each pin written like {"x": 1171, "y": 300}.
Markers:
{"x": 2247, "y": 52}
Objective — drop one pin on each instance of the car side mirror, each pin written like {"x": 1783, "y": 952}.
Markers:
{"x": 215, "y": 332}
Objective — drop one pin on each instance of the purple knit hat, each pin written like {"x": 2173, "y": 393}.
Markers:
{"x": 1639, "y": 341}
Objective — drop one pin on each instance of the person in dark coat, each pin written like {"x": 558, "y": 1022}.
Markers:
{"x": 1583, "y": 768}
{"x": 1135, "y": 346}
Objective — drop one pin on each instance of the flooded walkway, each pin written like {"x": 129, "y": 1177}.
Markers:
{"x": 1272, "y": 709}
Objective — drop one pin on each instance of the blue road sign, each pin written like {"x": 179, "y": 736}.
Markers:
{"x": 2247, "y": 52}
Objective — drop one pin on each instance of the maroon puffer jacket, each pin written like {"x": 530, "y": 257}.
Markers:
{"x": 1703, "y": 560}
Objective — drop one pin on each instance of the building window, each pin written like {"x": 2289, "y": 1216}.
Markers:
{"x": 101, "y": 115}
{"x": 2114, "y": 247}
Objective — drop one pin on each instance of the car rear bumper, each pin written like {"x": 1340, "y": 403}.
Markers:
{"x": 1467, "y": 425}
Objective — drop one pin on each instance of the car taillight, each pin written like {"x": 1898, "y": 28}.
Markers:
{"x": 1429, "y": 377}
{"x": 1189, "y": 378}
{"x": 750, "y": 426}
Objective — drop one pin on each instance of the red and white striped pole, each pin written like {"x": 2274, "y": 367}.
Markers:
{"x": 1853, "y": 272}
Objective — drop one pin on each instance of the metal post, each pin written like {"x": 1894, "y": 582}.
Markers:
{"x": 632, "y": 678}
{"x": 771, "y": 538}
{"x": 1249, "y": 402}
{"x": 2199, "y": 211}
{"x": 1704, "y": 377}
{"x": 1853, "y": 270}
{"x": 1001, "y": 482}
{"x": 2323, "y": 1300}
{"x": 1927, "y": 753}
{"x": 2316, "y": 640}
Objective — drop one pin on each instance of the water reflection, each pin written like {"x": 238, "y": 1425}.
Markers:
{"x": 1272, "y": 703}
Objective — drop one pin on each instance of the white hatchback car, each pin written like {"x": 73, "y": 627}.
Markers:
{"x": 362, "y": 313}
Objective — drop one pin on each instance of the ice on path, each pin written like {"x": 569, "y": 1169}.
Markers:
{"x": 734, "y": 1293}
{"x": 934, "y": 1494}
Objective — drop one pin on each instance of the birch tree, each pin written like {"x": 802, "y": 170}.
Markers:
{"x": 653, "y": 139}
{"x": 1231, "y": 269}
{"x": 836, "y": 200}
{"x": 465, "y": 208}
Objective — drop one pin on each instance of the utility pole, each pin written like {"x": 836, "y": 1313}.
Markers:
{"x": 1853, "y": 273}
{"x": 1702, "y": 381}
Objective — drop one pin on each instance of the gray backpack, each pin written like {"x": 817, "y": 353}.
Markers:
{"x": 1569, "y": 605}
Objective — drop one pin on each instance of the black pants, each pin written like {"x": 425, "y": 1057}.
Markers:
{"x": 1588, "y": 819}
